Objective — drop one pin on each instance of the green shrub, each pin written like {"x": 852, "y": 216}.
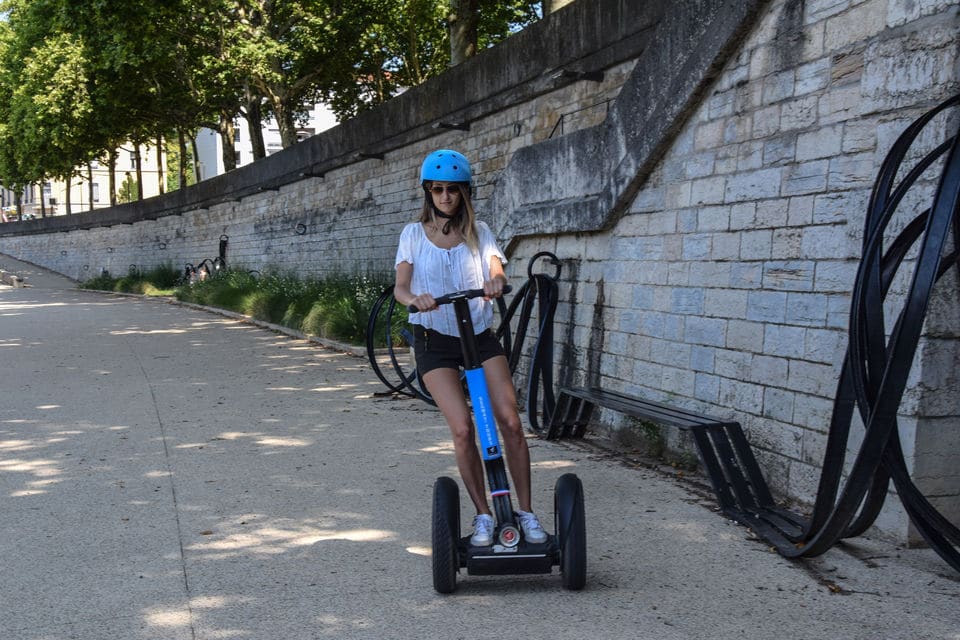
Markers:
{"x": 336, "y": 307}
{"x": 103, "y": 282}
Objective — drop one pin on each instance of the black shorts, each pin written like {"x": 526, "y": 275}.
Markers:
{"x": 434, "y": 350}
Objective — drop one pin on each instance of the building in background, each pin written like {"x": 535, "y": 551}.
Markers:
{"x": 90, "y": 188}
{"x": 320, "y": 118}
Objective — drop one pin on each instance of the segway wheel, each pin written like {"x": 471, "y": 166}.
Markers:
{"x": 445, "y": 534}
{"x": 571, "y": 528}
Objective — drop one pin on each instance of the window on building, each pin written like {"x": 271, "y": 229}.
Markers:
{"x": 133, "y": 160}
{"x": 239, "y": 159}
{"x": 96, "y": 192}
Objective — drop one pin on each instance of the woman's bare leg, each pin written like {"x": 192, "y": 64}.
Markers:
{"x": 503, "y": 397}
{"x": 447, "y": 391}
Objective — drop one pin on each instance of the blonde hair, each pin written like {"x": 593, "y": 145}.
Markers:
{"x": 465, "y": 222}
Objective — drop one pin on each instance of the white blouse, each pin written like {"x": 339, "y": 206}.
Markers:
{"x": 438, "y": 271}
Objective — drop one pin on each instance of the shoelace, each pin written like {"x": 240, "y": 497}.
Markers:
{"x": 529, "y": 521}
{"x": 482, "y": 526}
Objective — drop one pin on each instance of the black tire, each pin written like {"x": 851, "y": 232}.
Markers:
{"x": 445, "y": 534}
{"x": 571, "y": 528}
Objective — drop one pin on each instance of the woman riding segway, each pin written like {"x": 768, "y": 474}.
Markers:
{"x": 448, "y": 249}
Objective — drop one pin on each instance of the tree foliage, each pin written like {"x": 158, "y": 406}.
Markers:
{"x": 82, "y": 78}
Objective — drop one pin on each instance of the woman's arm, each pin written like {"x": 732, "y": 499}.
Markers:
{"x": 403, "y": 294}
{"x": 493, "y": 288}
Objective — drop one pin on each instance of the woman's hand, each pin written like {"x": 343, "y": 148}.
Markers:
{"x": 493, "y": 288}
{"x": 423, "y": 302}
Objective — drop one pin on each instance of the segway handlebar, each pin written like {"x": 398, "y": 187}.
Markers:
{"x": 466, "y": 294}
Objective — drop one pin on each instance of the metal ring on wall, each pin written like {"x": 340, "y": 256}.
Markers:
{"x": 300, "y": 228}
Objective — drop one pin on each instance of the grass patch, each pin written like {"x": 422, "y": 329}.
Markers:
{"x": 158, "y": 281}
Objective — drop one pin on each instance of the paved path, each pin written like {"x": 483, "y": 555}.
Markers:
{"x": 171, "y": 474}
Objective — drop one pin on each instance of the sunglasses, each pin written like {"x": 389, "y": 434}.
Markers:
{"x": 452, "y": 189}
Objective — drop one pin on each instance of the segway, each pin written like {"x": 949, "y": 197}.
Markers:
{"x": 510, "y": 553}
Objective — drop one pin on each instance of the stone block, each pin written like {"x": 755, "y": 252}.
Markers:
{"x": 778, "y": 404}
{"x": 812, "y": 77}
{"x": 705, "y": 331}
{"x": 783, "y": 340}
{"x": 821, "y": 143}
{"x": 812, "y": 412}
{"x": 768, "y": 370}
{"x": 811, "y": 378}
{"x": 709, "y": 190}
{"x": 787, "y": 243}
{"x": 855, "y": 25}
{"x": 827, "y": 242}
{"x": 779, "y": 150}
{"x": 807, "y": 309}
{"x": 818, "y": 10}
{"x": 900, "y": 12}
{"x": 799, "y": 113}
{"x": 746, "y": 275}
{"x": 702, "y": 358}
{"x": 696, "y": 247}
{"x": 826, "y": 346}
{"x": 805, "y": 177}
{"x": 706, "y": 387}
{"x": 753, "y": 185}
{"x": 795, "y": 275}
{"x": 756, "y": 245}
{"x": 766, "y": 306}
{"x": 852, "y": 171}
{"x": 725, "y": 246}
{"x": 744, "y": 335}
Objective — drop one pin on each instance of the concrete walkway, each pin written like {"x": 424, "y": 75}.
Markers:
{"x": 171, "y": 474}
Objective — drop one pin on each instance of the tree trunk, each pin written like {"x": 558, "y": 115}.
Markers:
{"x": 549, "y": 6}
{"x": 112, "y": 161}
{"x": 196, "y": 158}
{"x": 288, "y": 128}
{"x": 462, "y": 23}
{"x": 90, "y": 182}
{"x": 183, "y": 159}
{"x": 136, "y": 155}
{"x": 43, "y": 205}
{"x": 160, "y": 177}
{"x": 69, "y": 202}
{"x": 228, "y": 141}
{"x": 255, "y": 123}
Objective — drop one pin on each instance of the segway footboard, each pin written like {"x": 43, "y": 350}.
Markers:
{"x": 495, "y": 560}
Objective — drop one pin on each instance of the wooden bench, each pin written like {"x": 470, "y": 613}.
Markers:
{"x": 724, "y": 451}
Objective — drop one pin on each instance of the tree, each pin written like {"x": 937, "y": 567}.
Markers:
{"x": 82, "y": 79}
{"x": 288, "y": 47}
{"x": 407, "y": 41}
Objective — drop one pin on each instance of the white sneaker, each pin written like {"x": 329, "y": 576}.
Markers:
{"x": 532, "y": 530}
{"x": 482, "y": 530}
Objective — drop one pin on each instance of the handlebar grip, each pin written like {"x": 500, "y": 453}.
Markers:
{"x": 467, "y": 294}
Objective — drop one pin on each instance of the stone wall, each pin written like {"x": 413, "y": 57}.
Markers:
{"x": 706, "y": 196}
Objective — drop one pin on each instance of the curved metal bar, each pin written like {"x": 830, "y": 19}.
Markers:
{"x": 875, "y": 370}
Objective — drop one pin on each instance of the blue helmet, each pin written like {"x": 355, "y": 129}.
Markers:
{"x": 447, "y": 166}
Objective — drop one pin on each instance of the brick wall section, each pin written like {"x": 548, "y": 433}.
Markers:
{"x": 726, "y": 286}
{"x": 712, "y": 269}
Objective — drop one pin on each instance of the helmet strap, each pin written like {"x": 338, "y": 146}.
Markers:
{"x": 450, "y": 220}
